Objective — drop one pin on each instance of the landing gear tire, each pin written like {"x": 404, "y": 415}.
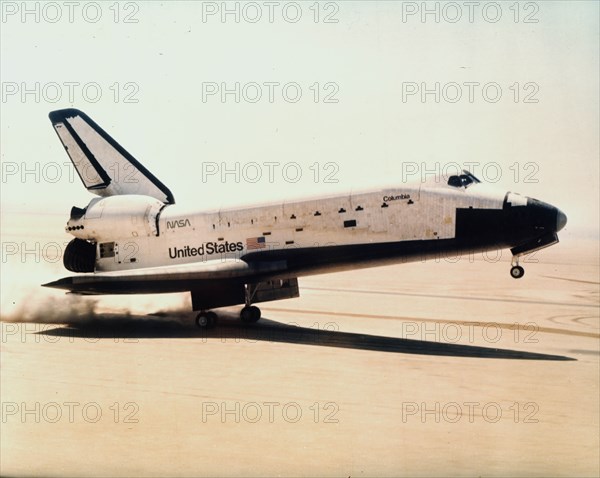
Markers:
{"x": 517, "y": 272}
{"x": 206, "y": 320}
{"x": 250, "y": 314}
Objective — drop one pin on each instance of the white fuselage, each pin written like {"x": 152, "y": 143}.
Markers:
{"x": 132, "y": 237}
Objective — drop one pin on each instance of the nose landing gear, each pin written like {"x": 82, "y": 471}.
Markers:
{"x": 516, "y": 271}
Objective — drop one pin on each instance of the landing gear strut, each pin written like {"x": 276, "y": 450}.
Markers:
{"x": 206, "y": 320}
{"x": 516, "y": 271}
{"x": 250, "y": 313}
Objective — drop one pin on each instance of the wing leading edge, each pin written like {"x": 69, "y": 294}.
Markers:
{"x": 178, "y": 278}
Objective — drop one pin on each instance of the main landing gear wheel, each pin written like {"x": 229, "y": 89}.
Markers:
{"x": 250, "y": 314}
{"x": 206, "y": 320}
{"x": 517, "y": 272}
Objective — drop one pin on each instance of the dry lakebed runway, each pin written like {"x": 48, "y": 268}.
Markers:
{"x": 433, "y": 368}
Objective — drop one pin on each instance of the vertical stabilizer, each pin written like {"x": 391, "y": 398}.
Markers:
{"x": 104, "y": 166}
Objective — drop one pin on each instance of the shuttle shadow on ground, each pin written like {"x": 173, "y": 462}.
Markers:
{"x": 111, "y": 326}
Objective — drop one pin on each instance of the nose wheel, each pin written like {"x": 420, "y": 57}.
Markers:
{"x": 206, "y": 320}
{"x": 516, "y": 271}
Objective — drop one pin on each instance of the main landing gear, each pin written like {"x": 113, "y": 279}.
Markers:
{"x": 206, "y": 320}
{"x": 248, "y": 315}
{"x": 516, "y": 271}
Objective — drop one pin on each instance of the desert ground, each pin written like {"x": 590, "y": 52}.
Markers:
{"x": 442, "y": 368}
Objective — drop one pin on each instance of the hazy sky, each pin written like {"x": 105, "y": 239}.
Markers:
{"x": 517, "y": 94}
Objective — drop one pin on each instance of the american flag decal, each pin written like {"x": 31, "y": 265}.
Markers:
{"x": 255, "y": 243}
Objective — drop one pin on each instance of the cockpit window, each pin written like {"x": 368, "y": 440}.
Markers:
{"x": 462, "y": 181}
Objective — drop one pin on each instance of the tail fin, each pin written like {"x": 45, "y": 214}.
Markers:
{"x": 103, "y": 165}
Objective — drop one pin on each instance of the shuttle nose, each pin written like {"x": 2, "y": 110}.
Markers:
{"x": 561, "y": 220}
{"x": 544, "y": 217}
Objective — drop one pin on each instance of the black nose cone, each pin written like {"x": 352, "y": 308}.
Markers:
{"x": 540, "y": 218}
{"x": 561, "y": 219}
